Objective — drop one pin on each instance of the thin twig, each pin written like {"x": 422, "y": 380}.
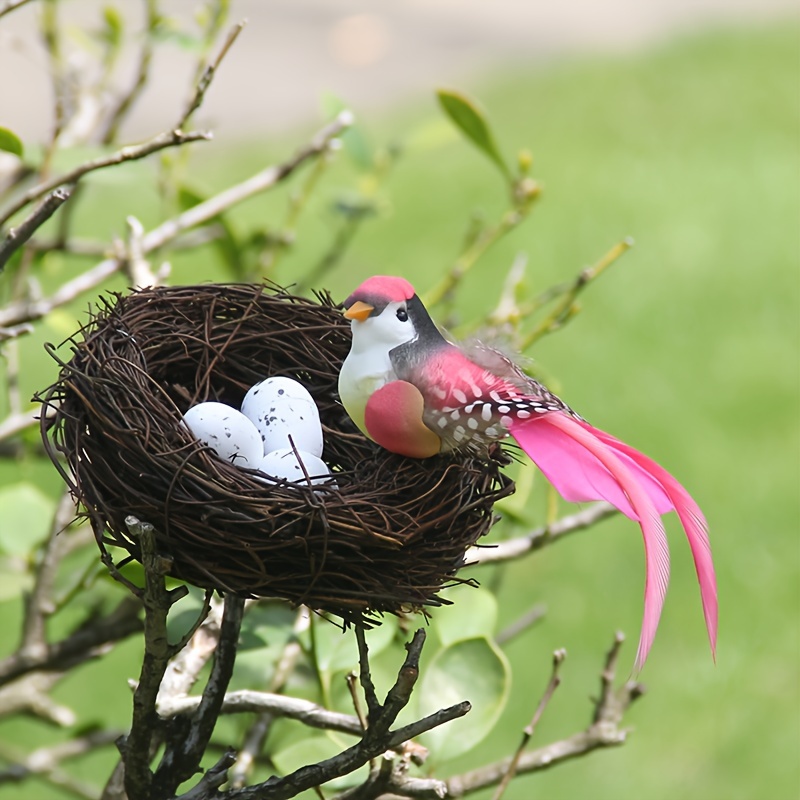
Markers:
{"x": 12, "y": 5}
{"x": 603, "y": 731}
{"x": 208, "y": 74}
{"x": 134, "y": 152}
{"x": 529, "y": 618}
{"x": 125, "y": 103}
{"x": 28, "y": 311}
{"x": 259, "y": 182}
{"x": 277, "y": 705}
{"x": 373, "y": 705}
{"x": 539, "y": 537}
{"x": 527, "y": 733}
{"x": 567, "y": 308}
{"x": 16, "y": 237}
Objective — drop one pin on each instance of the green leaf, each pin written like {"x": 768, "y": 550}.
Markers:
{"x": 473, "y": 613}
{"x": 355, "y": 142}
{"x": 337, "y": 650}
{"x": 471, "y": 121}
{"x": 226, "y": 245}
{"x": 113, "y": 28}
{"x": 471, "y": 669}
{"x": 26, "y": 513}
{"x": 312, "y": 750}
{"x": 10, "y": 142}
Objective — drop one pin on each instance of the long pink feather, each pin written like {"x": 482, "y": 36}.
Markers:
{"x": 694, "y": 525}
{"x": 582, "y": 466}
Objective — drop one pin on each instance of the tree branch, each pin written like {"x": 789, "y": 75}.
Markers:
{"x": 28, "y": 311}
{"x": 16, "y": 237}
{"x": 278, "y": 705}
{"x": 538, "y": 538}
{"x": 12, "y": 5}
{"x": 604, "y": 731}
{"x": 129, "y": 153}
{"x": 183, "y": 753}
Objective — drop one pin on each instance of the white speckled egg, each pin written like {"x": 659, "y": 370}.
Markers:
{"x": 281, "y": 407}
{"x": 228, "y": 432}
{"x": 283, "y": 463}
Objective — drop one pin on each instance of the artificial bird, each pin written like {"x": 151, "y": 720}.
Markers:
{"x": 416, "y": 393}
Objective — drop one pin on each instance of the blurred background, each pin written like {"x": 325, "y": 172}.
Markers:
{"x": 674, "y": 123}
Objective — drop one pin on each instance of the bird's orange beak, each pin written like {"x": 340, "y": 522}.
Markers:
{"x": 359, "y": 311}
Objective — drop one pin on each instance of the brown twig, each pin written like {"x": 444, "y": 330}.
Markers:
{"x": 604, "y": 731}
{"x": 182, "y": 755}
{"x": 28, "y": 311}
{"x": 208, "y": 73}
{"x": 136, "y": 747}
{"x": 376, "y": 739}
{"x": 173, "y": 138}
{"x": 527, "y": 733}
{"x": 125, "y": 103}
{"x": 12, "y": 5}
{"x": 16, "y": 237}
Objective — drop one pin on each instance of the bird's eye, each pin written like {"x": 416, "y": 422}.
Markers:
{"x": 402, "y": 315}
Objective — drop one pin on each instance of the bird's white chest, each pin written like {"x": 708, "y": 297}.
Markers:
{"x": 363, "y": 372}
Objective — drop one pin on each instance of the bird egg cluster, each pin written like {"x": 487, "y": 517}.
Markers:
{"x": 277, "y": 431}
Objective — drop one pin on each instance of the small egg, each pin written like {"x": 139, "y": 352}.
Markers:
{"x": 283, "y": 463}
{"x": 281, "y": 407}
{"x": 228, "y": 432}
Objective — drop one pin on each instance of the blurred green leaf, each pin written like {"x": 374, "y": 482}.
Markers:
{"x": 114, "y": 27}
{"x": 13, "y": 581}
{"x": 226, "y": 245}
{"x": 355, "y": 143}
{"x": 10, "y": 142}
{"x": 471, "y": 669}
{"x": 26, "y": 513}
{"x": 473, "y": 613}
{"x": 311, "y": 751}
{"x": 471, "y": 121}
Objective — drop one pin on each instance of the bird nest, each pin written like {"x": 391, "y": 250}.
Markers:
{"x": 387, "y": 537}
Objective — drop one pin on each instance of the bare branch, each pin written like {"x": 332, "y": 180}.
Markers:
{"x": 373, "y": 705}
{"x": 16, "y": 423}
{"x": 129, "y": 153}
{"x": 277, "y": 705}
{"x": 46, "y": 761}
{"x": 604, "y": 731}
{"x": 528, "y": 619}
{"x": 28, "y": 311}
{"x": 157, "y": 601}
{"x": 183, "y": 753}
{"x": 86, "y": 643}
{"x": 538, "y": 538}
{"x": 125, "y": 103}
{"x": 527, "y": 733}
{"x": 208, "y": 73}
{"x": 16, "y": 237}
{"x": 260, "y": 182}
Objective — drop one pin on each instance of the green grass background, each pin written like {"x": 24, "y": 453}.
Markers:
{"x": 687, "y": 349}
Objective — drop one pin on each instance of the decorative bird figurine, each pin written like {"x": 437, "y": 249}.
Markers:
{"x": 417, "y": 394}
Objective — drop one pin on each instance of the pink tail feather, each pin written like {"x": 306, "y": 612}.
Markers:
{"x": 694, "y": 525}
{"x": 584, "y": 463}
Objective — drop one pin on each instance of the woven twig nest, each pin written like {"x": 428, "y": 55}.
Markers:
{"x": 386, "y": 538}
